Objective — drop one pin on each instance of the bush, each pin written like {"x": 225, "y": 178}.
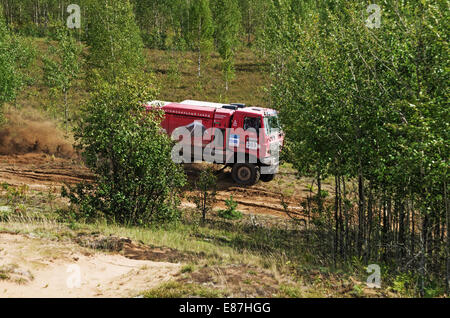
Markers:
{"x": 230, "y": 213}
{"x": 137, "y": 181}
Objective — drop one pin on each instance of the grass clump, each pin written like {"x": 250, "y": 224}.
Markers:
{"x": 183, "y": 290}
{"x": 188, "y": 268}
{"x": 291, "y": 291}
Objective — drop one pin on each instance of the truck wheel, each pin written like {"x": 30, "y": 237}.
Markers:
{"x": 267, "y": 177}
{"x": 245, "y": 173}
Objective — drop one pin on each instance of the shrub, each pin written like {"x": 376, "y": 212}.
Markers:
{"x": 137, "y": 181}
{"x": 230, "y": 213}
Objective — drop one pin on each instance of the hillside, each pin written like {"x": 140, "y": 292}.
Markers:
{"x": 37, "y": 158}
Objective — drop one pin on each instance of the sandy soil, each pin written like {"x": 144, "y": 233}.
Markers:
{"x": 33, "y": 267}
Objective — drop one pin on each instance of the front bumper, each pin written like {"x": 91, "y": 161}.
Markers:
{"x": 270, "y": 165}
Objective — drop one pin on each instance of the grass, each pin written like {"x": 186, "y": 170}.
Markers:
{"x": 177, "y": 74}
{"x": 182, "y": 238}
{"x": 188, "y": 268}
{"x": 180, "y": 290}
{"x": 291, "y": 291}
{"x": 10, "y": 273}
{"x": 3, "y": 276}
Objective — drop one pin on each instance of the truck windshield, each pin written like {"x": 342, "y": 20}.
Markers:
{"x": 272, "y": 124}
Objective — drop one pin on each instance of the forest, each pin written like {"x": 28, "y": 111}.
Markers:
{"x": 361, "y": 90}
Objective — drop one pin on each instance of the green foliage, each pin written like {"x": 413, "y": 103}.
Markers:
{"x": 15, "y": 56}
{"x": 137, "y": 181}
{"x": 179, "y": 290}
{"x": 15, "y": 195}
{"x": 371, "y": 105}
{"x": 188, "y": 268}
{"x": 4, "y": 32}
{"x": 173, "y": 73}
{"x": 205, "y": 198}
{"x": 254, "y": 19}
{"x": 404, "y": 284}
{"x": 230, "y": 213}
{"x": 115, "y": 44}
{"x": 200, "y": 31}
{"x": 346, "y": 91}
{"x": 63, "y": 66}
{"x": 291, "y": 291}
{"x": 228, "y": 21}
{"x": 163, "y": 23}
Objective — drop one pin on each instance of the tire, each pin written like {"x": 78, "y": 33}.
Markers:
{"x": 245, "y": 173}
{"x": 267, "y": 177}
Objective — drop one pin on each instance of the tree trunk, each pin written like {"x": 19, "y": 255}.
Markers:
{"x": 423, "y": 259}
{"x": 319, "y": 193}
{"x": 66, "y": 115}
{"x": 361, "y": 204}
{"x": 336, "y": 217}
{"x": 447, "y": 213}
{"x": 199, "y": 62}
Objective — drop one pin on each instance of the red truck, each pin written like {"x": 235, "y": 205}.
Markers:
{"x": 248, "y": 139}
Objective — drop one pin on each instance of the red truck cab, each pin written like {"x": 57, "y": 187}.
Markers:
{"x": 246, "y": 138}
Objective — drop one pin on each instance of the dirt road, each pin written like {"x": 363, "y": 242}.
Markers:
{"x": 41, "y": 171}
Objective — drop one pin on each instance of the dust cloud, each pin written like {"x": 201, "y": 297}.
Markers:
{"x": 26, "y": 131}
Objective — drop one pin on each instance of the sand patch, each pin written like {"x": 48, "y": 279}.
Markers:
{"x": 50, "y": 269}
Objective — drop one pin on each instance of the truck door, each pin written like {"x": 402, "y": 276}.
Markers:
{"x": 221, "y": 123}
{"x": 252, "y": 126}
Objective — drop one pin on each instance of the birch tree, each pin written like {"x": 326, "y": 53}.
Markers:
{"x": 201, "y": 29}
{"x": 228, "y": 21}
{"x": 62, "y": 66}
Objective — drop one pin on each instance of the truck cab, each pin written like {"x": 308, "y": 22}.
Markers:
{"x": 262, "y": 140}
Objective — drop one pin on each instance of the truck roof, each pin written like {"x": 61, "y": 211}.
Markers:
{"x": 255, "y": 109}
{"x": 258, "y": 110}
{"x": 200, "y": 103}
{"x": 189, "y": 110}
{"x": 205, "y": 109}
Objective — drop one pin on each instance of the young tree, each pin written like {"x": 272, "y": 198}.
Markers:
{"x": 62, "y": 67}
{"x": 115, "y": 44}
{"x": 200, "y": 35}
{"x": 253, "y": 17}
{"x": 9, "y": 82}
{"x": 205, "y": 198}
{"x": 137, "y": 181}
{"x": 15, "y": 56}
{"x": 228, "y": 21}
